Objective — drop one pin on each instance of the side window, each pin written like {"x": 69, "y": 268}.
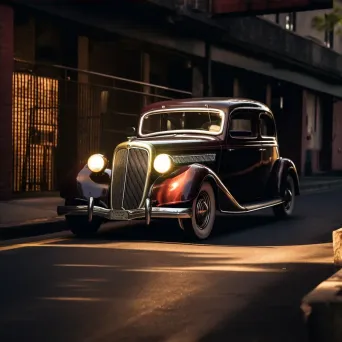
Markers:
{"x": 243, "y": 125}
{"x": 267, "y": 126}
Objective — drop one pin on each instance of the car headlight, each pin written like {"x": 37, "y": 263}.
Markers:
{"x": 162, "y": 163}
{"x": 97, "y": 163}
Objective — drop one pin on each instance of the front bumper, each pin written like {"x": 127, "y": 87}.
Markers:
{"x": 125, "y": 215}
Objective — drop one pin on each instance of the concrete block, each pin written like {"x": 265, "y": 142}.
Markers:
{"x": 337, "y": 246}
{"x": 323, "y": 311}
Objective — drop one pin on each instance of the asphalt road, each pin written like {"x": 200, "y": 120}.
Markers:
{"x": 147, "y": 284}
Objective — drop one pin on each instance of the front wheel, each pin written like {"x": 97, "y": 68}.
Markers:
{"x": 200, "y": 226}
{"x": 81, "y": 227}
{"x": 286, "y": 208}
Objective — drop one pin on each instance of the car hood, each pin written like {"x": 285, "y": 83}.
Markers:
{"x": 182, "y": 143}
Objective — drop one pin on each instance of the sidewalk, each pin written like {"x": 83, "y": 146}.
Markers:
{"x": 29, "y": 212}
{"x": 319, "y": 183}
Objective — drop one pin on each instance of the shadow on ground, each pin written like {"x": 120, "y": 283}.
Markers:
{"x": 249, "y": 230}
{"x": 99, "y": 293}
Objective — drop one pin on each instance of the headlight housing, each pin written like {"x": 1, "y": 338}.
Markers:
{"x": 162, "y": 163}
{"x": 97, "y": 163}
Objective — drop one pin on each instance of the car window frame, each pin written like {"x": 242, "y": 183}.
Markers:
{"x": 256, "y": 112}
{"x": 184, "y": 131}
{"x": 266, "y": 137}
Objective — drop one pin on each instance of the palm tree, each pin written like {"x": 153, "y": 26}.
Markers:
{"x": 329, "y": 22}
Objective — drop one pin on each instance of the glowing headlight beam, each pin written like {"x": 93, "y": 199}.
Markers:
{"x": 162, "y": 163}
{"x": 96, "y": 163}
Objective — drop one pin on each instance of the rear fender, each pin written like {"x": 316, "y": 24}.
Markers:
{"x": 182, "y": 186}
{"x": 281, "y": 169}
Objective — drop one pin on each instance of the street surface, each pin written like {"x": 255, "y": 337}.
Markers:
{"x": 147, "y": 284}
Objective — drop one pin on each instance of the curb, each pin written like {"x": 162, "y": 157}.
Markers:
{"x": 321, "y": 309}
{"x": 32, "y": 228}
{"x": 319, "y": 188}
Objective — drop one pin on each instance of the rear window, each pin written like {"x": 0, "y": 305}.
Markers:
{"x": 243, "y": 125}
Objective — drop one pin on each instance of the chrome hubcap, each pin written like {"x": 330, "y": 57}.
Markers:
{"x": 202, "y": 212}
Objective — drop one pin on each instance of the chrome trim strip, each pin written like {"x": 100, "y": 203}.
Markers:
{"x": 124, "y": 186}
{"x": 81, "y": 210}
{"x": 148, "y": 211}
{"x": 125, "y": 215}
{"x": 171, "y": 213}
{"x": 90, "y": 209}
{"x": 181, "y": 131}
{"x": 111, "y": 179}
{"x": 193, "y": 158}
{"x": 251, "y": 210}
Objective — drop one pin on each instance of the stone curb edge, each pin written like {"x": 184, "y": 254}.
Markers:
{"x": 30, "y": 228}
{"x": 320, "y": 188}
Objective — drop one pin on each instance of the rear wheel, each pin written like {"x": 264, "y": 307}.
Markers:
{"x": 81, "y": 227}
{"x": 200, "y": 226}
{"x": 286, "y": 208}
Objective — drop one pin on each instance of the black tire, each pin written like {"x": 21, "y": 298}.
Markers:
{"x": 201, "y": 225}
{"x": 286, "y": 209}
{"x": 81, "y": 227}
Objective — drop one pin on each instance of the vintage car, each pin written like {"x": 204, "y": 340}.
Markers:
{"x": 189, "y": 160}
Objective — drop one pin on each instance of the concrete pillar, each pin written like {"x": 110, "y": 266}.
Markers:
{"x": 208, "y": 73}
{"x": 6, "y": 72}
{"x": 83, "y": 58}
{"x": 304, "y": 139}
{"x": 337, "y": 136}
{"x": 236, "y": 88}
{"x": 269, "y": 95}
{"x": 197, "y": 82}
{"x": 25, "y": 40}
{"x": 146, "y": 76}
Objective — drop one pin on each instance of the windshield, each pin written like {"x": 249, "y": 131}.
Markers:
{"x": 177, "y": 121}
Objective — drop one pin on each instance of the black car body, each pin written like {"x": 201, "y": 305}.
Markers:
{"x": 189, "y": 159}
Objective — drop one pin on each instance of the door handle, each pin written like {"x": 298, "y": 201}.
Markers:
{"x": 262, "y": 149}
{"x": 231, "y": 149}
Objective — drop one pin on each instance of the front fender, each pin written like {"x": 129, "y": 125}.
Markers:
{"x": 87, "y": 184}
{"x": 182, "y": 186}
{"x": 281, "y": 169}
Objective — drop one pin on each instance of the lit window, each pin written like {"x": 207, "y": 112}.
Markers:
{"x": 328, "y": 37}
{"x": 290, "y": 21}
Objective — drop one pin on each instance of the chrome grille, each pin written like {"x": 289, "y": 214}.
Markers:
{"x": 129, "y": 178}
{"x": 118, "y": 181}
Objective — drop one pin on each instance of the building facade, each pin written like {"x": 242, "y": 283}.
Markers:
{"x": 301, "y": 23}
{"x": 74, "y": 77}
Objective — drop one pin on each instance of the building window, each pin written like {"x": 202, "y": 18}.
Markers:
{"x": 35, "y": 129}
{"x": 277, "y": 18}
{"x": 329, "y": 37}
{"x": 290, "y": 21}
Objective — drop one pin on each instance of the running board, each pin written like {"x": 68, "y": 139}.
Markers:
{"x": 248, "y": 208}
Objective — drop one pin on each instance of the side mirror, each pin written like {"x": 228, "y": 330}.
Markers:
{"x": 131, "y": 131}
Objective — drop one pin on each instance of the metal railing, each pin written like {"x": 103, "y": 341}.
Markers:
{"x": 61, "y": 115}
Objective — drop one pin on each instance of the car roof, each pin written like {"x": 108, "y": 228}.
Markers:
{"x": 213, "y": 102}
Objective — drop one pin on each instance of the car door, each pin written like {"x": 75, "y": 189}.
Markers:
{"x": 241, "y": 155}
{"x": 270, "y": 152}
